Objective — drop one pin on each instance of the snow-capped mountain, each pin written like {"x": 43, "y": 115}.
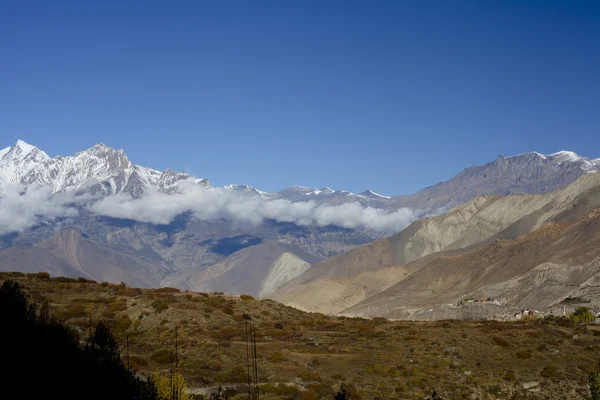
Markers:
{"x": 104, "y": 170}
{"x": 18, "y": 160}
{"x": 100, "y": 169}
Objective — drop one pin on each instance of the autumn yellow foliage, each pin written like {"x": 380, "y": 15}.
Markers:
{"x": 170, "y": 388}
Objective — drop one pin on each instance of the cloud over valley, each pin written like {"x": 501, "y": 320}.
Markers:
{"x": 22, "y": 208}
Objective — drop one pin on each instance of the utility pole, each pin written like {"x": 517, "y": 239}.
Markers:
{"x": 176, "y": 368}
{"x": 248, "y": 358}
{"x": 255, "y": 360}
{"x": 127, "y": 341}
{"x": 171, "y": 375}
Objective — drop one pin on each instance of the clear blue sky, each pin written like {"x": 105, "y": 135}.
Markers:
{"x": 387, "y": 95}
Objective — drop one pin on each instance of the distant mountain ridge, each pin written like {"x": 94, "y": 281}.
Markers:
{"x": 104, "y": 170}
{"x": 187, "y": 247}
{"x": 526, "y": 173}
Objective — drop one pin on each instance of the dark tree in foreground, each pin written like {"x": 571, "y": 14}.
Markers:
{"x": 46, "y": 357}
{"x": 434, "y": 396}
{"x": 594, "y": 380}
{"x": 342, "y": 394}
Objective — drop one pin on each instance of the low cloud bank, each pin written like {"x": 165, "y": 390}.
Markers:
{"x": 22, "y": 208}
{"x": 19, "y": 211}
{"x": 214, "y": 203}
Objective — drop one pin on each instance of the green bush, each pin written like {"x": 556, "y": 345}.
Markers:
{"x": 494, "y": 390}
{"x": 246, "y": 297}
{"x": 277, "y": 357}
{"x": 159, "y": 306}
{"x": 582, "y": 314}
{"x": 279, "y": 390}
{"x": 227, "y": 310}
{"x": 117, "y": 306}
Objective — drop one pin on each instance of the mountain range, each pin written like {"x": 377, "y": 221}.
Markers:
{"x": 318, "y": 249}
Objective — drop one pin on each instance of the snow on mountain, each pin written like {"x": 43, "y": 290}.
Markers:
{"x": 104, "y": 170}
{"x": 564, "y": 157}
{"x": 247, "y": 190}
{"x": 371, "y": 194}
{"x": 18, "y": 160}
{"x": 99, "y": 169}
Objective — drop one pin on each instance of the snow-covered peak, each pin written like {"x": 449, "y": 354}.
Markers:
{"x": 246, "y": 190}
{"x": 23, "y": 148}
{"x": 371, "y": 194}
{"x": 566, "y": 156}
{"x": 562, "y": 158}
{"x": 529, "y": 154}
{"x": 99, "y": 169}
{"x": 16, "y": 161}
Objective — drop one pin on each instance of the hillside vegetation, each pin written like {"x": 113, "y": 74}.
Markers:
{"x": 309, "y": 355}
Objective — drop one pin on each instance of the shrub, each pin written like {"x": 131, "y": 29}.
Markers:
{"x": 162, "y": 356}
{"x": 246, "y": 297}
{"x": 494, "y": 390}
{"x": 277, "y": 357}
{"x": 159, "y": 306}
{"x": 582, "y": 314}
{"x": 309, "y": 376}
{"x": 523, "y": 354}
{"x": 63, "y": 279}
{"x": 237, "y": 374}
{"x": 117, "y": 306}
{"x": 227, "y": 310}
{"x": 74, "y": 311}
{"x": 278, "y": 325}
{"x": 509, "y": 375}
{"x": 501, "y": 341}
{"x": 280, "y": 390}
{"x": 167, "y": 289}
{"x": 42, "y": 276}
{"x": 549, "y": 371}
{"x": 121, "y": 324}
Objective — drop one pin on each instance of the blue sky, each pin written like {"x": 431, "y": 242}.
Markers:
{"x": 387, "y": 95}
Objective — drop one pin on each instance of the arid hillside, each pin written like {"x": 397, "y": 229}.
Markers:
{"x": 308, "y": 355}
{"x": 461, "y": 230}
{"x": 539, "y": 271}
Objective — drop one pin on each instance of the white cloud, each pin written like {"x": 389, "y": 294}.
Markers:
{"x": 22, "y": 208}
{"x": 213, "y": 204}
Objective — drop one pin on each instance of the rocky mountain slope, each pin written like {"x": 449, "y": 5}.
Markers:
{"x": 540, "y": 270}
{"x": 475, "y": 223}
{"x": 69, "y": 254}
{"x": 523, "y": 173}
{"x": 254, "y": 270}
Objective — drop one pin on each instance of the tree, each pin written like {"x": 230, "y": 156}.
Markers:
{"x": 170, "y": 389}
{"x": 583, "y": 314}
{"x": 594, "y": 381}
{"x": 342, "y": 394}
{"x": 103, "y": 342}
{"x": 40, "y": 349}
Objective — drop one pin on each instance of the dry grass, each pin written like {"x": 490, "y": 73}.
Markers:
{"x": 314, "y": 353}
